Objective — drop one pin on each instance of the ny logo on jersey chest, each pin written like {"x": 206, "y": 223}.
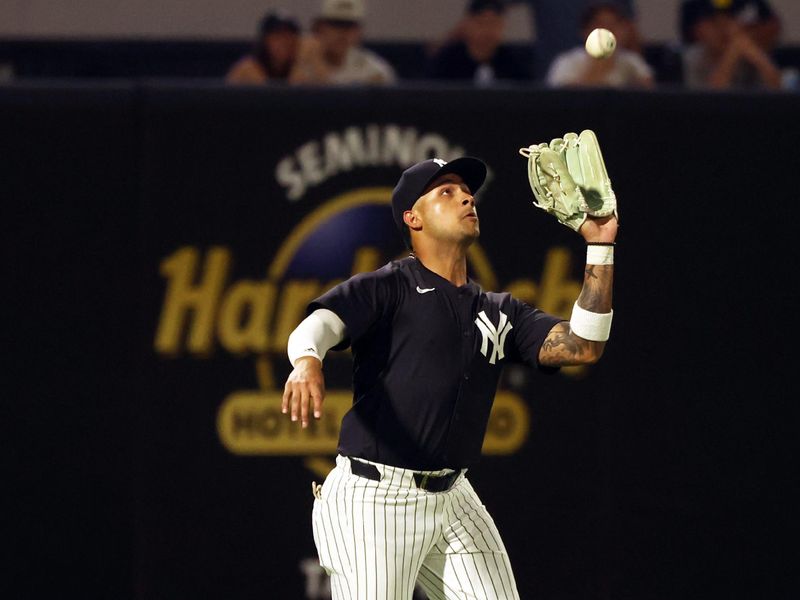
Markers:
{"x": 495, "y": 335}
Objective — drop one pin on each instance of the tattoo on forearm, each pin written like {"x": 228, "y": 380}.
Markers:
{"x": 596, "y": 293}
{"x": 562, "y": 347}
{"x": 561, "y": 342}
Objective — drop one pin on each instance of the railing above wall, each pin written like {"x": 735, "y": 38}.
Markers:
{"x": 86, "y": 58}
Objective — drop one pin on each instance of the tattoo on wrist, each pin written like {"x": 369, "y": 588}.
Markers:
{"x": 591, "y": 301}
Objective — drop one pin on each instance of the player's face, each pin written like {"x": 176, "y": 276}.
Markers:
{"x": 447, "y": 211}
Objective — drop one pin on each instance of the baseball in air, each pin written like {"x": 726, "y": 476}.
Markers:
{"x": 601, "y": 43}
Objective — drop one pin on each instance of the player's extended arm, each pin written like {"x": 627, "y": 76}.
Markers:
{"x": 569, "y": 180}
{"x": 308, "y": 344}
{"x": 581, "y": 340}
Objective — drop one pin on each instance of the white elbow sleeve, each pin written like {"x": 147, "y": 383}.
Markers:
{"x": 317, "y": 333}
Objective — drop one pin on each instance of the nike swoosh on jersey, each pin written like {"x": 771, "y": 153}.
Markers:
{"x": 424, "y": 290}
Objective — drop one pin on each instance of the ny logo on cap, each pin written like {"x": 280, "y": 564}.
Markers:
{"x": 440, "y": 162}
{"x": 496, "y": 335}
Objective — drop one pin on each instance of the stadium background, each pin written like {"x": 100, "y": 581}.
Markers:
{"x": 663, "y": 472}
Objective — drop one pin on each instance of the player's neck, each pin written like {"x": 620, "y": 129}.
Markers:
{"x": 449, "y": 262}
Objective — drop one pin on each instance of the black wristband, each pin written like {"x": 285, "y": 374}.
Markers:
{"x": 601, "y": 243}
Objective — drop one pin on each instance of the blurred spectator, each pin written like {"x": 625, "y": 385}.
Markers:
{"x": 6, "y": 72}
{"x": 725, "y": 52}
{"x": 333, "y": 53}
{"x": 756, "y": 17}
{"x": 624, "y": 68}
{"x": 557, "y": 27}
{"x": 475, "y": 52}
{"x": 274, "y": 52}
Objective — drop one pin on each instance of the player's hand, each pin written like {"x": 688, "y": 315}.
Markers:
{"x": 599, "y": 229}
{"x": 304, "y": 390}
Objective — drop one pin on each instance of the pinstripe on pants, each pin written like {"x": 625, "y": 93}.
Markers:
{"x": 377, "y": 538}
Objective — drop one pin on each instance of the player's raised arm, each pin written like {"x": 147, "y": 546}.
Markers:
{"x": 581, "y": 340}
{"x": 569, "y": 180}
{"x": 308, "y": 344}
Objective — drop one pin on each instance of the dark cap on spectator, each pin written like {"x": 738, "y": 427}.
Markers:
{"x": 342, "y": 11}
{"x": 593, "y": 9}
{"x": 477, "y": 6}
{"x": 278, "y": 21}
{"x": 417, "y": 178}
{"x": 694, "y": 11}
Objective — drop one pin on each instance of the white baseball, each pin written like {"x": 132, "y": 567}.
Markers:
{"x": 601, "y": 43}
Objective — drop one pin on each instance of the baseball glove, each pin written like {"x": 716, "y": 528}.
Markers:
{"x": 569, "y": 179}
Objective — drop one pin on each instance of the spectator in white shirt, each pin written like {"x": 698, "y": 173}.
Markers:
{"x": 624, "y": 68}
{"x": 333, "y": 53}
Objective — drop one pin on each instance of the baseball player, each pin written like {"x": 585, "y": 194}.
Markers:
{"x": 428, "y": 348}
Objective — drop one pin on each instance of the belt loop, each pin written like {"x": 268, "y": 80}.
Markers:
{"x": 366, "y": 470}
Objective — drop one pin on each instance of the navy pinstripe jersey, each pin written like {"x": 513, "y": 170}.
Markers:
{"x": 427, "y": 358}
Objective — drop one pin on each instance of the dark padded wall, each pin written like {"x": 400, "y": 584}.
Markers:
{"x": 661, "y": 472}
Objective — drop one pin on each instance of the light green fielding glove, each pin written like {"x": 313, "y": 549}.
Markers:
{"x": 569, "y": 179}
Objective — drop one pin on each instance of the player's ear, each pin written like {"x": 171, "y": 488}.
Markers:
{"x": 412, "y": 219}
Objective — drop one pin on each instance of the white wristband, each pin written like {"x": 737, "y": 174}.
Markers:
{"x": 599, "y": 255}
{"x": 592, "y": 326}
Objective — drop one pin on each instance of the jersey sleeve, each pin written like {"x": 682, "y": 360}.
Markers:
{"x": 531, "y": 327}
{"x": 361, "y": 302}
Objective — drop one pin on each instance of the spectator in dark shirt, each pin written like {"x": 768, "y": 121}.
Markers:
{"x": 477, "y": 55}
{"x": 274, "y": 52}
{"x": 725, "y": 45}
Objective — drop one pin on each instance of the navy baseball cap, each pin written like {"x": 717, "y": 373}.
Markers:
{"x": 416, "y": 178}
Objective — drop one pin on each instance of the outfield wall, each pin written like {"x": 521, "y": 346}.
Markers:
{"x": 162, "y": 240}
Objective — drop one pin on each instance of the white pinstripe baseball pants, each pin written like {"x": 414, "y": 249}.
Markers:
{"x": 377, "y": 538}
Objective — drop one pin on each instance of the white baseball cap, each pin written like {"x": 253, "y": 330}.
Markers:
{"x": 343, "y": 10}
